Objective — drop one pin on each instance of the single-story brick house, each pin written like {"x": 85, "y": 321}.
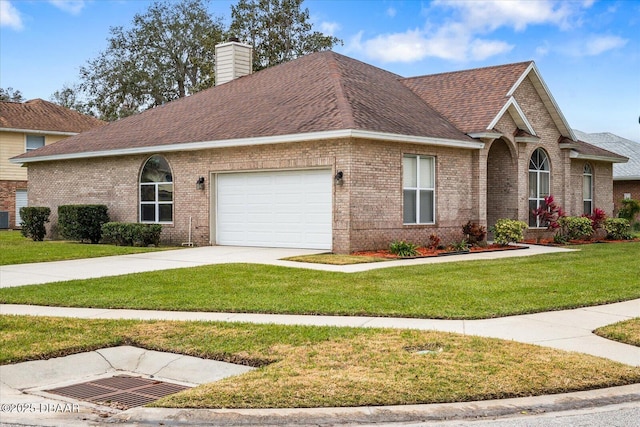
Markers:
{"x": 626, "y": 176}
{"x": 331, "y": 153}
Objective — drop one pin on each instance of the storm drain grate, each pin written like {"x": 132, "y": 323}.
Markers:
{"x": 122, "y": 391}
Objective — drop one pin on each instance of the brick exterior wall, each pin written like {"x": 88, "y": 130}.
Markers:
{"x": 471, "y": 185}
{"x": 8, "y": 198}
{"x": 620, "y": 188}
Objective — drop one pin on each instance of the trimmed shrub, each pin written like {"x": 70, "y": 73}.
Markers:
{"x": 33, "y": 220}
{"x": 617, "y": 228}
{"x": 82, "y": 222}
{"x": 131, "y": 233}
{"x": 403, "y": 249}
{"x": 575, "y": 227}
{"x": 508, "y": 231}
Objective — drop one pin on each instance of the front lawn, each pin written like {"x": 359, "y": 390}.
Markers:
{"x": 17, "y": 249}
{"x": 303, "y": 366}
{"x": 627, "y": 332}
{"x": 596, "y": 274}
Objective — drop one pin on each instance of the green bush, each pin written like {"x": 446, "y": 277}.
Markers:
{"x": 617, "y": 228}
{"x": 33, "y": 220}
{"x": 131, "y": 234}
{"x": 403, "y": 249}
{"x": 629, "y": 210}
{"x": 82, "y": 222}
{"x": 575, "y": 227}
{"x": 508, "y": 231}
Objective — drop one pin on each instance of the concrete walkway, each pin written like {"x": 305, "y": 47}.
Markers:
{"x": 47, "y": 272}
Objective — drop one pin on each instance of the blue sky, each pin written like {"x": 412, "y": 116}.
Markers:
{"x": 587, "y": 51}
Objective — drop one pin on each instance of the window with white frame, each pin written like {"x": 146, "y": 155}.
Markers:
{"x": 539, "y": 178}
{"x": 156, "y": 191}
{"x": 34, "y": 142}
{"x": 587, "y": 189}
{"x": 418, "y": 185}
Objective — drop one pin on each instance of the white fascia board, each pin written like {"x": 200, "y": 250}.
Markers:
{"x": 279, "y": 139}
{"x": 527, "y": 139}
{"x": 509, "y": 104}
{"x": 38, "y": 131}
{"x": 627, "y": 178}
{"x": 576, "y": 155}
{"x": 532, "y": 68}
{"x": 486, "y": 135}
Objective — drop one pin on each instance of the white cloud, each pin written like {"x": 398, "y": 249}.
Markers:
{"x": 9, "y": 16}
{"x": 463, "y": 36}
{"x": 73, "y": 7}
{"x": 601, "y": 44}
{"x": 391, "y": 12}
{"x": 329, "y": 28}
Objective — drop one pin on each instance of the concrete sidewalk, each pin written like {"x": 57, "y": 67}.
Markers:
{"x": 22, "y": 385}
{"x": 569, "y": 330}
{"x": 47, "y": 272}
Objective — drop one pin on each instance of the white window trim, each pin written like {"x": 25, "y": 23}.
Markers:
{"x": 417, "y": 188}
{"x": 590, "y": 175}
{"x": 156, "y": 202}
{"x": 26, "y": 139}
{"x": 539, "y": 200}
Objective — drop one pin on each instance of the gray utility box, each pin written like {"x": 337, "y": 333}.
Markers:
{"x": 4, "y": 220}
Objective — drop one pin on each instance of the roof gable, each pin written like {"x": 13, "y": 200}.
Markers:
{"x": 44, "y": 116}
{"x": 475, "y": 100}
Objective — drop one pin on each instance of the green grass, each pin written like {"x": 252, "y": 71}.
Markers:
{"x": 596, "y": 274}
{"x": 17, "y": 249}
{"x": 627, "y": 332}
{"x": 304, "y": 366}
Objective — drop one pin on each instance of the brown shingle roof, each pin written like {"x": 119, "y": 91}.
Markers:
{"x": 469, "y": 99}
{"x": 38, "y": 114}
{"x": 320, "y": 92}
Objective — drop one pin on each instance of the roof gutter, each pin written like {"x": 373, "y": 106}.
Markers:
{"x": 240, "y": 142}
{"x": 38, "y": 131}
{"x": 576, "y": 155}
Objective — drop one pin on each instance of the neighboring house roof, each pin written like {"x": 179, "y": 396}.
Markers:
{"x": 474, "y": 100}
{"x": 44, "y": 117}
{"x": 320, "y": 95}
{"x": 622, "y": 146}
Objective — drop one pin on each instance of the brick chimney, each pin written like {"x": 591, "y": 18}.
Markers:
{"x": 233, "y": 60}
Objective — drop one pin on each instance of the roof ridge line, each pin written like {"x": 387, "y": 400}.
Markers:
{"x": 344, "y": 106}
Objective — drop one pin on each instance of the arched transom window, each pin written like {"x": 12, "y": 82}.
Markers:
{"x": 156, "y": 191}
{"x": 539, "y": 177}
{"x": 587, "y": 189}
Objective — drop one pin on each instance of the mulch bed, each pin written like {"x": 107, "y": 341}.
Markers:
{"x": 550, "y": 242}
{"x": 427, "y": 252}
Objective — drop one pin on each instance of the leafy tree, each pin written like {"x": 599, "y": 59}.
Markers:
{"x": 9, "y": 94}
{"x": 69, "y": 97}
{"x": 279, "y": 31}
{"x": 168, "y": 53}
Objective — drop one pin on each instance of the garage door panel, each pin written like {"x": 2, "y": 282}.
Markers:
{"x": 275, "y": 209}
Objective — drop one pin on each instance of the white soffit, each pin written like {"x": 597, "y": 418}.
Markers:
{"x": 516, "y": 114}
{"x": 278, "y": 139}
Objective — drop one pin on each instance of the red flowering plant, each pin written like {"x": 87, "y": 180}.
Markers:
{"x": 597, "y": 218}
{"x": 549, "y": 213}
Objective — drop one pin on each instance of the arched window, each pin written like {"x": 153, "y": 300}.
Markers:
{"x": 587, "y": 189}
{"x": 539, "y": 177}
{"x": 156, "y": 191}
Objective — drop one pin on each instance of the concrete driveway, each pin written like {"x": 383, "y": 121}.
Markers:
{"x": 90, "y": 268}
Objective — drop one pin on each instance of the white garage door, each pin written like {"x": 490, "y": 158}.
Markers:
{"x": 284, "y": 209}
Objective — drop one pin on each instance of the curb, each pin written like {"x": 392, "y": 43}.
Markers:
{"x": 382, "y": 414}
